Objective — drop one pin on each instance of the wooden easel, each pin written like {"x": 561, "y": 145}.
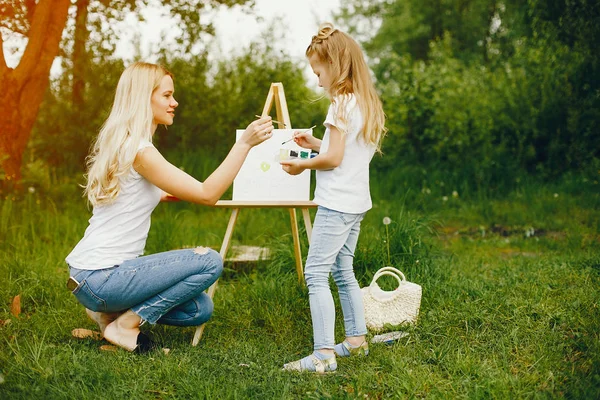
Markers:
{"x": 277, "y": 96}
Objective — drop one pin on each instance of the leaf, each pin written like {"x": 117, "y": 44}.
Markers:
{"x": 108, "y": 347}
{"x": 81, "y": 333}
{"x": 15, "y": 307}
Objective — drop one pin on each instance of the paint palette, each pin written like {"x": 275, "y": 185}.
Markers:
{"x": 288, "y": 154}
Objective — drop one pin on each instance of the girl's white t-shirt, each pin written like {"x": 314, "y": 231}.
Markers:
{"x": 118, "y": 231}
{"x": 346, "y": 187}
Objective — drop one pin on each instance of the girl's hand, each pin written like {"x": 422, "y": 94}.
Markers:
{"x": 292, "y": 167}
{"x": 306, "y": 140}
{"x": 257, "y": 132}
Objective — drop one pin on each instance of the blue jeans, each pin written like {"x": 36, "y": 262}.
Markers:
{"x": 166, "y": 288}
{"x": 333, "y": 242}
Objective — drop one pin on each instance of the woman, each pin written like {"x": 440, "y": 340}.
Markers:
{"x": 126, "y": 179}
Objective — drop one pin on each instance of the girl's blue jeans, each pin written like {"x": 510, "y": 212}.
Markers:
{"x": 331, "y": 251}
{"x": 166, "y": 288}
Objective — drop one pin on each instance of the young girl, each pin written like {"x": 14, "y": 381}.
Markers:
{"x": 127, "y": 177}
{"x": 354, "y": 129}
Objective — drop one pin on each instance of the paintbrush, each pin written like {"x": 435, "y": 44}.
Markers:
{"x": 274, "y": 120}
{"x": 306, "y": 130}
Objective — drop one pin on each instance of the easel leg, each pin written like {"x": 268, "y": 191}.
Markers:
{"x": 224, "y": 247}
{"x": 307, "y": 223}
{"x": 297, "y": 251}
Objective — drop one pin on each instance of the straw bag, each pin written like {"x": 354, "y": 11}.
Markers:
{"x": 394, "y": 307}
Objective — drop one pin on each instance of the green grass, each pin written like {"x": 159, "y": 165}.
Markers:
{"x": 510, "y": 304}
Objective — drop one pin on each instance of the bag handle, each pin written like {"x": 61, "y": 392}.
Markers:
{"x": 391, "y": 271}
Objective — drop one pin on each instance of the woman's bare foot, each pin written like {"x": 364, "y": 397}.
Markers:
{"x": 102, "y": 319}
{"x": 124, "y": 331}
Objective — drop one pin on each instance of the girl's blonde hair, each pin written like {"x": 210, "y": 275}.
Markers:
{"x": 350, "y": 75}
{"x": 129, "y": 123}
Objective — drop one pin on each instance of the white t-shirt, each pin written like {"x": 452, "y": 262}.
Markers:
{"x": 346, "y": 187}
{"x": 117, "y": 231}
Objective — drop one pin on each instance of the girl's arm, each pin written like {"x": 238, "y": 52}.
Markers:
{"x": 328, "y": 160}
{"x": 307, "y": 141}
{"x": 157, "y": 170}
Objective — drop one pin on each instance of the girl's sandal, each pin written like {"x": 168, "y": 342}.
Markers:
{"x": 326, "y": 366}
{"x": 362, "y": 350}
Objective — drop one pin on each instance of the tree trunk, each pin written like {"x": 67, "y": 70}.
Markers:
{"x": 79, "y": 52}
{"x": 22, "y": 89}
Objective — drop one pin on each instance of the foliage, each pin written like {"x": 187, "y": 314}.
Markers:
{"x": 484, "y": 88}
{"x": 215, "y": 99}
{"x": 484, "y": 122}
{"x": 408, "y": 27}
{"x": 64, "y": 131}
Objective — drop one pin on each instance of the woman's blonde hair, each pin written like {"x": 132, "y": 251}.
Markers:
{"x": 130, "y": 122}
{"x": 350, "y": 75}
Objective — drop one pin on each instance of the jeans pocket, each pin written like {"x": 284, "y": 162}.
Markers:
{"x": 351, "y": 218}
{"x": 88, "y": 298}
{"x": 345, "y": 218}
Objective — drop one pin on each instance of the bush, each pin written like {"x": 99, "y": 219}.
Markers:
{"x": 487, "y": 124}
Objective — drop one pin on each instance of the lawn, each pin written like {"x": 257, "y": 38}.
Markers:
{"x": 510, "y": 307}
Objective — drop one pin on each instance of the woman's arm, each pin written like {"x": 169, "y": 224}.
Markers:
{"x": 168, "y": 197}
{"x": 330, "y": 159}
{"x": 156, "y": 169}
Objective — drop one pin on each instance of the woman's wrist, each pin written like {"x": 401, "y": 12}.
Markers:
{"x": 243, "y": 146}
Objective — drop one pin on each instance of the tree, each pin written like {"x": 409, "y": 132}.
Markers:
{"x": 407, "y": 27}
{"x": 42, "y": 22}
{"x": 22, "y": 88}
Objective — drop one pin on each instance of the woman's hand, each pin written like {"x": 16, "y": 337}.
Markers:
{"x": 257, "y": 132}
{"x": 292, "y": 167}
{"x": 306, "y": 140}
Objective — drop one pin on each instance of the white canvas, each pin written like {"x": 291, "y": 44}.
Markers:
{"x": 261, "y": 177}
